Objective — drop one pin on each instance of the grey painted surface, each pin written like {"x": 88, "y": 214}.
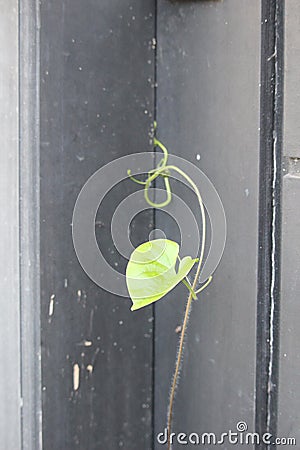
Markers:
{"x": 292, "y": 79}
{"x": 29, "y": 226}
{"x": 208, "y": 104}
{"x": 10, "y": 398}
{"x": 289, "y": 364}
{"x": 289, "y": 393}
{"x": 97, "y": 68}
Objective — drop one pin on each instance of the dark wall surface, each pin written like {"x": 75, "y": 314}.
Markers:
{"x": 208, "y": 105}
{"x": 97, "y": 69}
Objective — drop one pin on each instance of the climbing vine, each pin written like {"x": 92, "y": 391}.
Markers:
{"x": 155, "y": 268}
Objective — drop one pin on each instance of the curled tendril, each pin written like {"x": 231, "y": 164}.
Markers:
{"x": 160, "y": 170}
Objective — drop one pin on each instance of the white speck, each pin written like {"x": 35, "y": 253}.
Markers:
{"x": 285, "y": 355}
{"x": 79, "y": 68}
{"x": 115, "y": 344}
{"x": 149, "y": 61}
{"x": 90, "y": 368}
{"x": 76, "y": 376}
{"x": 79, "y": 293}
{"x": 121, "y": 322}
{"x": 116, "y": 264}
{"x": 80, "y": 158}
{"x": 46, "y": 72}
{"x": 146, "y": 111}
{"x": 51, "y": 305}
{"x": 247, "y": 192}
{"x": 198, "y": 157}
{"x": 133, "y": 17}
{"x": 197, "y": 338}
{"x": 73, "y": 40}
{"x": 66, "y": 282}
{"x": 87, "y": 343}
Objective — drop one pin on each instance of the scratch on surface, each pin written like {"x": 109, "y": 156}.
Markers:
{"x": 91, "y": 322}
{"x": 273, "y": 55}
{"x": 51, "y": 305}
{"x": 95, "y": 356}
{"x": 85, "y": 343}
{"x": 76, "y": 377}
{"x": 275, "y": 212}
{"x": 272, "y": 289}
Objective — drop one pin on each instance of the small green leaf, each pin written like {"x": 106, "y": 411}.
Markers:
{"x": 151, "y": 273}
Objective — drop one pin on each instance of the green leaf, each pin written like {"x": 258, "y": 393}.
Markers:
{"x": 151, "y": 272}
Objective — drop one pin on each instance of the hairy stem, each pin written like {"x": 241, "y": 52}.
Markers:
{"x": 187, "y": 309}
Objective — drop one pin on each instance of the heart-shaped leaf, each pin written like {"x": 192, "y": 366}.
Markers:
{"x": 151, "y": 272}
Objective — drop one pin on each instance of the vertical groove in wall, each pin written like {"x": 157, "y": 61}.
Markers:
{"x": 154, "y": 224}
{"x": 29, "y": 26}
{"x": 269, "y": 218}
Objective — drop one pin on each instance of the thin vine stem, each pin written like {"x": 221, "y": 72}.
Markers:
{"x": 187, "y": 309}
{"x": 164, "y": 170}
